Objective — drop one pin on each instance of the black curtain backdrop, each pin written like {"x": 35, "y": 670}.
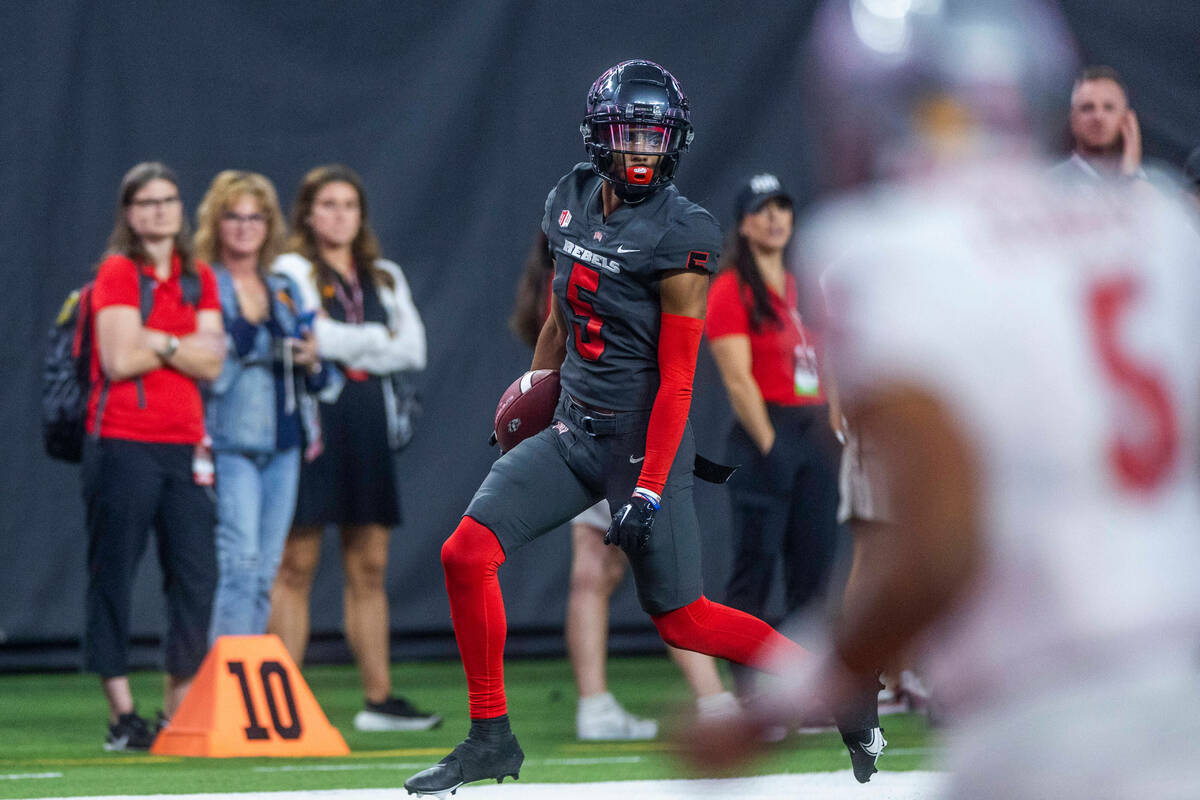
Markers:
{"x": 460, "y": 116}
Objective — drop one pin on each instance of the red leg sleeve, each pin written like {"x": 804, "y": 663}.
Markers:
{"x": 678, "y": 343}
{"x": 471, "y": 557}
{"x": 724, "y": 632}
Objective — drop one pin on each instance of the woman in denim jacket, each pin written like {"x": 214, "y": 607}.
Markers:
{"x": 259, "y": 413}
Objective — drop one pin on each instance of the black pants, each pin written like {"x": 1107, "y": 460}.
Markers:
{"x": 127, "y": 488}
{"x": 784, "y": 510}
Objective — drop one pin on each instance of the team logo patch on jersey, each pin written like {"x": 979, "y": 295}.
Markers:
{"x": 697, "y": 259}
{"x": 560, "y": 427}
{"x": 564, "y": 219}
{"x": 598, "y": 235}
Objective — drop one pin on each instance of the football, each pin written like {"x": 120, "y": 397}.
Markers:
{"x": 526, "y": 407}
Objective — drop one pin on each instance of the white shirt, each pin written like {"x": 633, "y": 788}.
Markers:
{"x": 371, "y": 346}
{"x": 1064, "y": 338}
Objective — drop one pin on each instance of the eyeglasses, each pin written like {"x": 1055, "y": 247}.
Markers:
{"x": 244, "y": 219}
{"x": 155, "y": 202}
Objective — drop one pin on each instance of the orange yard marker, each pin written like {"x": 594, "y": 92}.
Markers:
{"x": 249, "y": 699}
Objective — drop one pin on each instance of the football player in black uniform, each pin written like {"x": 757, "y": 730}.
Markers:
{"x": 632, "y": 264}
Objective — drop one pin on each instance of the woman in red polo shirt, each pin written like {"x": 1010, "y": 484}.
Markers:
{"x": 785, "y": 496}
{"x": 157, "y": 332}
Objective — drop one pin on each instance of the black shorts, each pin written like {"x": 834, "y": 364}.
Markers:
{"x": 581, "y": 458}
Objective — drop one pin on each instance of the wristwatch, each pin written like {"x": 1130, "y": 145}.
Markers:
{"x": 168, "y": 351}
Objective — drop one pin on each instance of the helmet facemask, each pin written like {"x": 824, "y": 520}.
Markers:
{"x": 636, "y": 158}
{"x": 637, "y": 123}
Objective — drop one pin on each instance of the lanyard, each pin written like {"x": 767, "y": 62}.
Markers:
{"x": 806, "y": 380}
{"x": 794, "y": 313}
{"x": 352, "y": 304}
{"x": 799, "y": 325}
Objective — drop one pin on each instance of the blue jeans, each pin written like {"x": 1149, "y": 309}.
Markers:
{"x": 256, "y": 496}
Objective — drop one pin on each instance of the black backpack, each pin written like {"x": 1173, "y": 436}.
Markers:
{"x": 66, "y": 367}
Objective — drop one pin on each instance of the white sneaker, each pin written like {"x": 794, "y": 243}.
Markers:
{"x": 601, "y": 717}
{"x": 913, "y": 690}
{"x": 891, "y": 702}
{"x": 725, "y": 705}
{"x": 394, "y": 714}
{"x": 717, "y": 706}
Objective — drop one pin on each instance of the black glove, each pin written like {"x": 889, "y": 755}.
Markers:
{"x": 631, "y": 524}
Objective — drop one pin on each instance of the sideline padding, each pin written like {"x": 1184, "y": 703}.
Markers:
{"x": 249, "y": 699}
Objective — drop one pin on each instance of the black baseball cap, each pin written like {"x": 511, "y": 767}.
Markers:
{"x": 1191, "y": 169}
{"x": 757, "y": 191}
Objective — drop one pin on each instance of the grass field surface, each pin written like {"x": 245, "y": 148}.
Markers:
{"x": 52, "y": 729}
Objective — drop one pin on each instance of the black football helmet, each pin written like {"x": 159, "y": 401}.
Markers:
{"x": 636, "y": 108}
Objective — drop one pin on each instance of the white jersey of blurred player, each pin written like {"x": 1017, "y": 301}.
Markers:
{"x": 1062, "y": 336}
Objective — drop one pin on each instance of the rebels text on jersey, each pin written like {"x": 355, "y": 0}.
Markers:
{"x": 606, "y": 281}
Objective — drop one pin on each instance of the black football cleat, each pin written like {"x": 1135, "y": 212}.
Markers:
{"x": 477, "y": 758}
{"x": 865, "y": 747}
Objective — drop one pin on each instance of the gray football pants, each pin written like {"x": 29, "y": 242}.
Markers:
{"x": 583, "y": 457}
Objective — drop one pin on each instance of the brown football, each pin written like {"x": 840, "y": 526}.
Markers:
{"x": 526, "y": 407}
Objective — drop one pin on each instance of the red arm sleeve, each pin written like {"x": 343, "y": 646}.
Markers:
{"x": 678, "y": 344}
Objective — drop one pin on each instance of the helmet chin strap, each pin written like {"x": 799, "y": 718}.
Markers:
{"x": 631, "y": 194}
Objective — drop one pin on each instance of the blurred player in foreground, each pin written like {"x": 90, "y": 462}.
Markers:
{"x": 1027, "y": 364}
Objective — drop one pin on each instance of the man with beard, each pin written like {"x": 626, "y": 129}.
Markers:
{"x": 1108, "y": 141}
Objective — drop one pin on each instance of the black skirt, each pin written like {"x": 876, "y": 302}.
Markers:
{"x": 353, "y": 481}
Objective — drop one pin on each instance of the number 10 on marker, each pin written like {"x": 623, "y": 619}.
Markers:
{"x": 272, "y": 678}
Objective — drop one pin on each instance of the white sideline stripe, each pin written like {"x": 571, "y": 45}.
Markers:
{"x": 29, "y": 775}
{"x": 825, "y": 785}
{"x": 339, "y": 767}
{"x": 578, "y": 762}
{"x": 570, "y": 762}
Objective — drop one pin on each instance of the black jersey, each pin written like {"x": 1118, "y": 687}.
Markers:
{"x": 606, "y": 282}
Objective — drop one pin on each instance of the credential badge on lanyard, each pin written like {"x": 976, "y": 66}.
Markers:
{"x": 805, "y": 378}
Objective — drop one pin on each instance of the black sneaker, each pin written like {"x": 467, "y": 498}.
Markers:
{"x": 161, "y": 721}
{"x": 129, "y": 732}
{"x": 481, "y": 756}
{"x": 394, "y": 714}
{"x": 865, "y": 747}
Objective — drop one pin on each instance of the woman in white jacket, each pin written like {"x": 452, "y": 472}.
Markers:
{"x": 367, "y": 325}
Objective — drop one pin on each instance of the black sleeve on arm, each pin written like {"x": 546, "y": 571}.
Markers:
{"x": 546, "y": 221}
{"x": 692, "y": 242}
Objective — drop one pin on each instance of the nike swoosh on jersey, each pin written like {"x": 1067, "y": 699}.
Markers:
{"x": 623, "y": 250}
{"x": 633, "y": 460}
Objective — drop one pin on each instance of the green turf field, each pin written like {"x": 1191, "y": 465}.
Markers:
{"x": 53, "y": 726}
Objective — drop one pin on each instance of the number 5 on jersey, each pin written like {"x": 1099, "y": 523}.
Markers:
{"x": 1143, "y": 460}
{"x": 589, "y": 341}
